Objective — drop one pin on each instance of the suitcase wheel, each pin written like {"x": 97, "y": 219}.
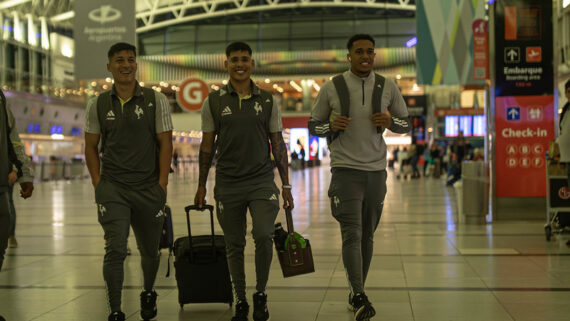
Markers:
{"x": 181, "y": 306}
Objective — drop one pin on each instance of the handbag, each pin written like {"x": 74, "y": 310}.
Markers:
{"x": 295, "y": 256}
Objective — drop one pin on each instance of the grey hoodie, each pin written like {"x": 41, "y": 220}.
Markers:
{"x": 5, "y": 166}
{"x": 360, "y": 146}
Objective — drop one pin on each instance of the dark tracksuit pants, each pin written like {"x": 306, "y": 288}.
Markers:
{"x": 232, "y": 202}
{"x": 119, "y": 208}
{"x": 357, "y": 199}
{"x": 12, "y": 210}
{"x": 4, "y": 224}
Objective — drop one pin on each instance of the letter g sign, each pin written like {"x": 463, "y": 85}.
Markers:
{"x": 193, "y": 92}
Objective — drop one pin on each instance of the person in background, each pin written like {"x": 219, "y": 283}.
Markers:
{"x": 403, "y": 159}
{"x": 134, "y": 127}
{"x": 358, "y": 157}
{"x": 175, "y": 160}
{"x": 564, "y": 137}
{"x": 12, "y": 155}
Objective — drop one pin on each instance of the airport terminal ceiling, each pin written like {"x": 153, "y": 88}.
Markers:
{"x": 296, "y": 40}
{"x": 157, "y": 14}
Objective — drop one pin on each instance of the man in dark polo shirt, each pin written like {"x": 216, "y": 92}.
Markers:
{"x": 134, "y": 127}
{"x": 245, "y": 120}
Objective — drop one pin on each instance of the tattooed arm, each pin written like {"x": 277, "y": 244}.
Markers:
{"x": 204, "y": 163}
{"x": 280, "y": 154}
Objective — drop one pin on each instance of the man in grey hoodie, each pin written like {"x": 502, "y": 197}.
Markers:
{"x": 352, "y": 111}
{"x": 12, "y": 155}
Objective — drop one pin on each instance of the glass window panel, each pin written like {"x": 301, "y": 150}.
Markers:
{"x": 181, "y": 49}
{"x": 208, "y": 33}
{"x": 302, "y": 44}
{"x": 275, "y": 31}
{"x": 182, "y": 34}
{"x": 373, "y": 27}
{"x": 335, "y": 43}
{"x": 397, "y": 41}
{"x": 338, "y": 29}
{"x": 245, "y": 32}
{"x": 304, "y": 30}
{"x": 211, "y": 47}
{"x": 152, "y": 44}
{"x": 402, "y": 26}
{"x": 275, "y": 45}
{"x": 153, "y": 49}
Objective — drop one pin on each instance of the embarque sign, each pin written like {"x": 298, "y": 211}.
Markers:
{"x": 523, "y": 48}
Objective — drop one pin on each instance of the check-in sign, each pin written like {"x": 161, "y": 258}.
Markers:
{"x": 524, "y": 126}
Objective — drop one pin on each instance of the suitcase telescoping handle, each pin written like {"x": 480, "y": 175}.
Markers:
{"x": 210, "y": 208}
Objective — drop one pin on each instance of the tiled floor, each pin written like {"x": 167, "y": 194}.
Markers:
{"x": 426, "y": 266}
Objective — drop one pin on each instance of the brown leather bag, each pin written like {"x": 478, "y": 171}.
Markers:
{"x": 295, "y": 259}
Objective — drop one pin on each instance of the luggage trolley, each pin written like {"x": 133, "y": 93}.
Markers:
{"x": 557, "y": 199}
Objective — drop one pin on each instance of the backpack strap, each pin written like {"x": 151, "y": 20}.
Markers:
{"x": 379, "y": 82}
{"x": 12, "y": 157}
{"x": 343, "y": 94}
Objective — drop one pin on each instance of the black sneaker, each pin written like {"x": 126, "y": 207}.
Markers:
{"x": 116, "y": 316}
{"x": 148, "y": 305}
{"x": 2, "y": 318}
{"x": 260, "y": 312}
{"x": 361, "y": 307}
{"x": 242, "y": 310}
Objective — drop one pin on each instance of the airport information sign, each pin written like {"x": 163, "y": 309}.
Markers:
{"x": 524, "y": 101}
{"x": 523, "y": 48}
{"x": 524, "y": 127}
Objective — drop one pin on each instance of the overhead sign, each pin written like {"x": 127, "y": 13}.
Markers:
{"x": 524, "y": 128}
{"x": 524, "y": 47}
{"x": 480, "y": 50}
{"x": 192, "y": 93}
{"x": 99, "y": 24}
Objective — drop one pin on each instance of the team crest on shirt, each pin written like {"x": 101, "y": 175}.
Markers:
{"x": 257, "y": 107}
{"x": 139, "y": 112}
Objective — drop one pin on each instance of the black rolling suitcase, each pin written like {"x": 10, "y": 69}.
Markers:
{"x": 202, "y": 272}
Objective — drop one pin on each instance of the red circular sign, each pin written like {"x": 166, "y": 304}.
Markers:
{"x": 192, "y": 93}
{"x": 564, "y": 193}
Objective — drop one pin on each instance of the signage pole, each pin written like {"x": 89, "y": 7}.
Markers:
{"x": 490, "y": 112}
